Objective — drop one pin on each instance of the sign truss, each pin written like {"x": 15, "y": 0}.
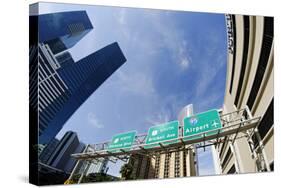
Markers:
{"x": 235, "y": 125}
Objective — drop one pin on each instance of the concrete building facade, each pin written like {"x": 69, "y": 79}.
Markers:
{"x": 249, "y": 84}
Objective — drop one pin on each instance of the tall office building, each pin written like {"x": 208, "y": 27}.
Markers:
{"x": 249, "y": 85}
{"x": 61, "y": 155}
{"x": 64, "y": 58}
{"x": 49, "y": 36}
{"x": 63, "y": 90}
{"x": 55, "y": 162}
{"x": 57, "y": 84}
{"x": 48, "y": 150}
{"x": 62, "y": 30}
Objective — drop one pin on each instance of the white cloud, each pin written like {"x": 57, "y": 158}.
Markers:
{"x": 158, "y": 119}
{"x": 92, "y": 119}
{"x": 207, "y": 74}
{"x": 121, "y": 19}
{"x": 182, "y": 55}
{"x": 136, "y": 83}
{"x": 184, "y": 62}
{"x": 162, "y": 115}
{"x": 210, "y": 100}
{"x": 162, "y": 30}
{"x": 173, "y": 39}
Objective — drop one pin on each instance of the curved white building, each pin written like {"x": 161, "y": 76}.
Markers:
{"x": 249, "y": 84}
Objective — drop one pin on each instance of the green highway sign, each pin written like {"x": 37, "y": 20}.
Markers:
{"x": 200, "y": 123}
{"x": 162, "y": 133}
{"x": 122, "y": 141}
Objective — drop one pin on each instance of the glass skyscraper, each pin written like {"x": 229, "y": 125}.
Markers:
{"x": 66, "y": 88}
{"x": 63, "y": 30}
{"x": 58, "y": 85}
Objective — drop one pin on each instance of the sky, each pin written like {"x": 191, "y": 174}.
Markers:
{"x": 174, "y": 58}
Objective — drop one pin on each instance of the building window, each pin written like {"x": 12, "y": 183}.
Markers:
{"x": 232, "y": 170}
{"x": 64, "y": 59}
{"x": 234, "y": 52}
{"x": 167, "y": 165}
{"x": 75, "y": 28}
{"x": 265, "y": 124}
{"x": 157, "y": 164}
{"x": 177, "y": 164}
{"x": 263, "y": 60}
{"x": 244, "y": 58}
{"x": 56, "y": 45}
{"x": 184, "y": 163}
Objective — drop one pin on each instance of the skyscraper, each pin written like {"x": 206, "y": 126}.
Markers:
{"x": 48, "y": 150}
{"x": 57, "y": 84}
{"x": 60, "y": 30}
{"x": 63, "y": 90}
{"x": 61, "y": 155}
{"x": 56, "y": 162}
{"x": 63, "y": 30}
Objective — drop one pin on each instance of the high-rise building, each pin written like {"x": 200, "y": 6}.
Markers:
{"x": 61, "y": 155}
{"x": 64, "y": 58}
{"x": 55, "y": 162}
{"x": 249, "y": 85}
{"x": 48, "y": 150}
{"x": 61, "y": 30}
{"x": 63, "y": 90}
{"x": 57, "y": 84}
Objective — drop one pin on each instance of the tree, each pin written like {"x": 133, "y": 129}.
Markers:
{"x": 126, "y": 171}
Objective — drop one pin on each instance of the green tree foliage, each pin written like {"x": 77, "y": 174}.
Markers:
{"x": 126, "y": 171}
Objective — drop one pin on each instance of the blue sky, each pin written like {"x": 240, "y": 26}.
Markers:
{"x": 173, "y": 59}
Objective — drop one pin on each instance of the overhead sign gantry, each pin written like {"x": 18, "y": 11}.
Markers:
{"x": 206, "y": 128}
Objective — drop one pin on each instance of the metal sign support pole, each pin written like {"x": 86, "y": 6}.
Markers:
{"x": 77, "y": 164}
{"x": 256, "y": 132}
{"x": 237, "y": 164}
{"x": 84, "y": 172}
{"x": 267, "y": 166}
